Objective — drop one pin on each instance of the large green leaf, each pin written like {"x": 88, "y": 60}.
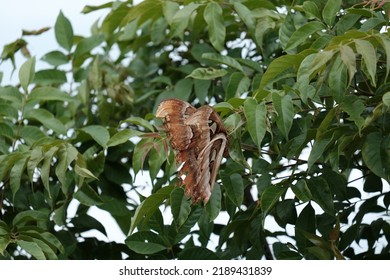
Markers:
{"x": 216, "y": 26}
{"x": 180, "y": 206}
{"x": 332, "y": 7}
{"x": 277, "y": 67}
{"x": 146, "y": 242}
{"x": 302, "y": 33}
{"x": 197, "y": 253}
{"x": 88, "y": 196}
{"x": 234, "y": 187}
{"x": 369, "y": 57}
{"x": 227, "y": 60}
{"x": 48, "y": 94}
{"x": 376, "y": 154}
{"x": 63, "y": 32}
{"x": 26, "y": 73}
{"x": 284, "y": 107}
{"x": 98, "y": 133}
{"x": 32, "y": 248}
{"x": 180, "y": 20}
{"x": 147, "y": 208}
{"x": 256, "y": 115}
{"x": 207, "y": 73}
{"x": 270, "y": 197}
{"x": 47, "y": 119}
{"x": 213, "y": 206}
{"x": 302, "y": 191}
{"x": 321, "y": 194}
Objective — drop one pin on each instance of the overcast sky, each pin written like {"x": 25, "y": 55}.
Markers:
{"x": 16, "y": 15}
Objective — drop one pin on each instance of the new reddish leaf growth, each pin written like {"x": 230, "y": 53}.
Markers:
{"x": 199, "y": 140}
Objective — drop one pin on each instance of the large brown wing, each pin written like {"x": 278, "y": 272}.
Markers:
{"x": 200, "y": 141}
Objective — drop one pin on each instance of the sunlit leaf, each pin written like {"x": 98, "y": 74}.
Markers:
{"x": 256, "y": 115}
{"x": 26, "y": 73}
{"x": 98, "y": 133}
{"x": 63, "y": 32}
{"x": 332, "y": 7}
{"x": 216, "y": 26}
{"x": 207, "y": 73}
{"x": 302, "y": 33}
{"x": 285, "y": 112}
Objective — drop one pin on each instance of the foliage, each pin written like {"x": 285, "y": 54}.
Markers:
{"x": 303, "y": 89}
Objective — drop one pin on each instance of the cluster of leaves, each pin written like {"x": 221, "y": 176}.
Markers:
{"x": 303, "y": 88}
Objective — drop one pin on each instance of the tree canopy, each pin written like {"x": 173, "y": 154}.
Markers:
{"x": 302, "y": 88}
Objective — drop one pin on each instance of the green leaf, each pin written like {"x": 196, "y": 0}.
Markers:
{"x": 28, "y": 216}
{"x": 157, "y": 156}
{"x": 338, "y": 79}
{"x": 385, "y": 42}
{"x": 183, "y": 88}
{"x": 98, "y": 133}
{"x": 5, "y": 240}
{"x": 201, "y": 88}
{"x": 181, "y": 19}
{"x": 47, "y": 119}
{"x": 311, "y": 9}
{"x": 16, "y": 174}
{"x": 368, "y": 53}
{"x": 245, "y": 15}
{"x": 256, "y": 115}
{"x": 207, "y": 73}
{"x": 376, "y": 154}
{"x": 87, "y": 44}
{"x": 234, "y": 187}
{"x": 66, "y": 155}
{"x": 87, "y": 196}
{"x": 270, "y": 197}
{"x": 216, "y": 27}
{"x": 321, "y": 194}
{"x": 354, "y": 106}
{"x": 284, "y": 107}
{"x": 278, "y": 66}
{"x": 227, "y": 60}
{"x": 140, "y": 122}
{"x": 49, "y": 94}
{"x": 145, "y": 242}
{"x": 332, "y": 7}
{"x": 318, "y": 150}
{"x": 55, "y": 58}
{"x": 122, "y": 137}
{"x": 46, "y": 167}
{"x": 238, "y": 85}
{"x": 32, "y": 248}
{"x": 213, "y": 206}
{"x": 180, "y": 206}
{"x": 26, "y": 73}
{"x": 311, "y": 65}
{"x": 305, "y": 223}
{"x": 147, "y": 208}
{"x": 84, "y": 172}
{"x": 348, "y": 56}
{"x": 302, "y": 33}
{"x": 386, "y": 99}
{"x": 302, "y": 191}
{"x": 50, "y": 76}
{"x": 63, "y": 32}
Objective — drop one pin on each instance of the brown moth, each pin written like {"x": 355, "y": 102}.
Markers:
{"x": 199, "y": 140}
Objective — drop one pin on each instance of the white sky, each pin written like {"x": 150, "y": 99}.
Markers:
{"x": 16, "y": 15}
